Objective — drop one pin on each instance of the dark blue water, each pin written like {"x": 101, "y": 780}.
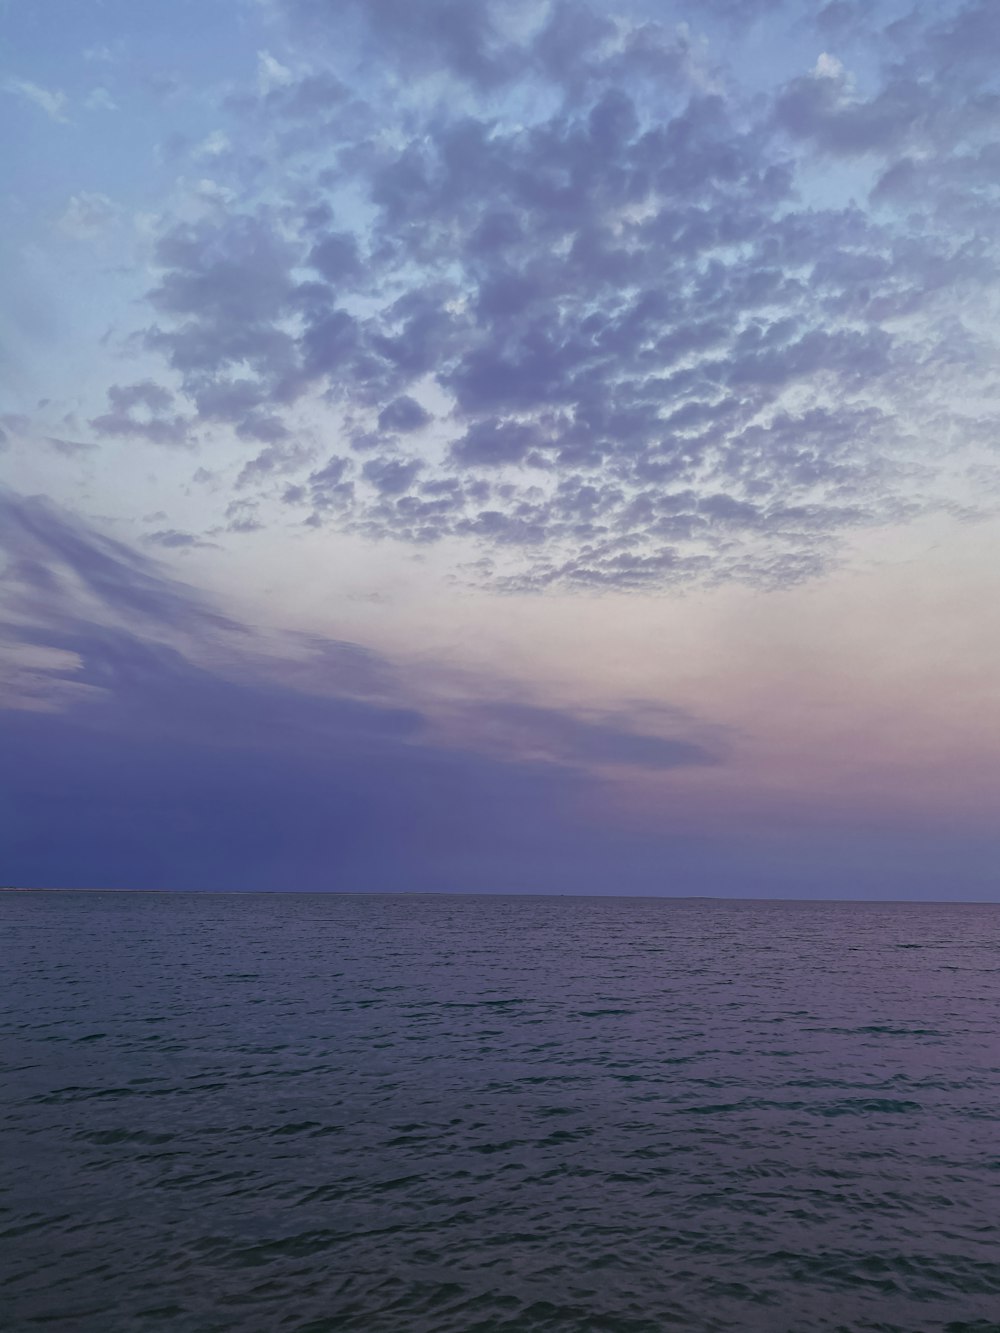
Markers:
{"x": 309, "y": 1113}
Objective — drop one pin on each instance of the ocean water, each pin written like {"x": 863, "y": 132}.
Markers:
{"x": 474, "y": 1114}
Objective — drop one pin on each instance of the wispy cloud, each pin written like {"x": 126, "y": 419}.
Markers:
{"x": 88, "y": 215}
{"x": 99, "y": 99}
{"x": 53, "y": 102}
{"x": 147, "y": 706}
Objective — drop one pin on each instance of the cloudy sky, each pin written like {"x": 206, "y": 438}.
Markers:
{"x": 501, "y": 445}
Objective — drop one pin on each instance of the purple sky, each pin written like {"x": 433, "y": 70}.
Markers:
{"x": 501, "y": 446}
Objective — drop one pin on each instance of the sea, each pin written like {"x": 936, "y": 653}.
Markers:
{"x": 503, "y": 1114}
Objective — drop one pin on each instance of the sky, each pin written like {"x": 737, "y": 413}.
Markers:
{"x": 501, "y": 446}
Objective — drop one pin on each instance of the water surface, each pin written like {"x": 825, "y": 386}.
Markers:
{"x": 304, "y": 1112}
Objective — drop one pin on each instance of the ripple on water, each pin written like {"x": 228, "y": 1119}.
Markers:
{"x": 460, "y": 1115}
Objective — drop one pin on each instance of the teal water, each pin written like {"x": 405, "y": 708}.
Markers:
{"x": 474, "y": 1114}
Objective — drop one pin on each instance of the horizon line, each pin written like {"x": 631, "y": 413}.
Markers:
{"x": 510, "y": 893}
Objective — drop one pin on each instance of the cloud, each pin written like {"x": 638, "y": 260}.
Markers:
{"x": 937, "y": 89}
{"x": 174, "y": 540}
{"x": 822, "y": 108}
{"x": 87, "y": 215}
{"x": 51, "y": 101}
{"x": 151, "y": 742}
{"x": 143, "y": 411}
{"x": 271, "y": 73}
{"x": 157, "y": 743}
{"x": 99, "y": 99}
{"x": 68, "y": 447}
{"x": 391, "y": 476}
{"x": 595, "y": 286}
{"x": 403, "y": 414}
{"x": 573, "y": 739}
{"x": 494, "y": 442}
{"x": 226, "y": 290}
{"x": 57, "y": 566}
{"x": 462, "y": 36}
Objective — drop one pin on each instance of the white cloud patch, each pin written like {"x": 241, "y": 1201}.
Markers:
{"x": 271, "y": 73}
{"x": 215, "y": 144}
{"x": 53, "y": 102}
{"x": 88, "y": 215}
{"x": 99, "y": 99}
{"x": 828, "y": 67}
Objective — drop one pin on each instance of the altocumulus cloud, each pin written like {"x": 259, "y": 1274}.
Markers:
{"x": 556, "y": 282}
